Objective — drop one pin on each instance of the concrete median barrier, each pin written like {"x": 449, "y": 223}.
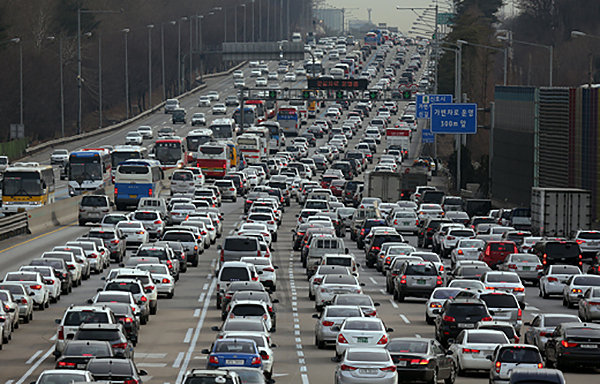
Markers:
{"x": 62, "y": 212}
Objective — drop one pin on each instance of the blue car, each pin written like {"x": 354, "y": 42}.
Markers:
{"x": 234, "y": 353}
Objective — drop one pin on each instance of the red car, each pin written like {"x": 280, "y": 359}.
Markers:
{"x": 326, "y": 180}
{"x": 337, "y": 187}
{"x": 495, "y": 252}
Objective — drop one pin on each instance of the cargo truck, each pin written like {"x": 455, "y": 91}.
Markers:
{"x": 399, "y": 138}
{"x": 412, "y": 177}
{"x": 560, "y": 211}
{"x": 384, "y": 185}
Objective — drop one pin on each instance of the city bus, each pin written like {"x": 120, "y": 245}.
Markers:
{"x": 313, "y": 68}
{"x": 223, "y": 129}
{"x": 26, "y": 186}
{"x": 302, "y": 110}
{"x": 89, "y": 169}
{"x": 264, "y": 136}
{"x": 276, "y": 136}
{"x": 261, "y": 110}
{"x": 288, "y": 118}
{"x": 135, "y": 179}
{"x": 250, "y": 146}
{"x": 371, "y": 38}
{"x": 214, "y": 159}
{"x": 195, "y": 139}
{"x": 121, "y": 153}
{"x": 249, "y": 116}
{"x": 171, "y": 152}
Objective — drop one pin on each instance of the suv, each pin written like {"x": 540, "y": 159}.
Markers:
{"x": 76, "y": 315}
{"x": 111, "y": 332}
{"x": 236, "y": 247}
{"x": 113, "y": 239}
{"x": 457, "y": 315}
{"x": 171, "y": 105}
{"x": 217, "y": 376}
{"x": 495, "y": 252}
{"x": 503, "y": 306}
{"x": 558, "y": 252}
{"x": 378, "y": 238}
{"x": 589, "y": 242}
{"x": 189, "y": 243}
{"x": 232, "y": 271}
{"x": 427, "y": 229}
{"x": 93, "y": 208}
{"x": 416, "y": 279}
{"x": 153, "y": 221}
{"x": 509, "y": 356}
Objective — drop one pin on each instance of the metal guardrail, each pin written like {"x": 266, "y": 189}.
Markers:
{"x": 14, "y": 225}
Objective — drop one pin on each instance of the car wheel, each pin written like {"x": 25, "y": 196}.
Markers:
{"x": 275, "y": 237}
{"x": 452, "y": 376}
{"x": 144, "y": 320}
{"x": 564, "y": 302}
{"x": 42, "y": 306}
{"x": 218, "y": 303}
{"x": 81, "y": 223}
{"x": 428, "y": 319}
{"x": 31, "y": 316}
{"x": 320, "y": 344}
{"x": 311, "y": 296}
{"x": 460, "y": 371}
{"x": 153, "y": 310}
{"x": 434, "y": 378}
{"x": 47, "y": 304}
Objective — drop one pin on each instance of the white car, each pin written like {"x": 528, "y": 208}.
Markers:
{"x": 238, "y": 74}
{"x": 436, "y": 301}
{"x": 204, "y": 101}
{"x": 576, "y": 286}
{"x": 507, "y": 282}
{"x": 261, "y": 82}
{"x": 52, "y": 282}
{"x": 361, "y": 332}
{"x": 273, "y": 76}
{"x": 35, "y": 285}
{"x": 405, "y": 221}
{"x": 134, "y": 138}
{"x": 59, "y": 156}
{"x": 472, "y": 346}
{"x": 450, "y": 241}
{"x": 333, "y": 285}
{"x": 255, "y": 73}
{"x": 213, "y": 95}
{"x": 466, "y": 249}
{"x": 165, "y": 283}
{"x": 291, "y": 77}
{"x": 554, "y": 278}
{"x": 266, "y": 270}
{"x": 266, "y": 219}
{"x": 146, "y": 131}
{"x": 134, "y": 232}
{"x": 256, "y": 228}
{"x": 219, "y": 109}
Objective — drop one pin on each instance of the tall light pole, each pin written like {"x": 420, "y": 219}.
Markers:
{"x": 492, "y": 48}
{"x": 260, "y": 38}
{"x": 100, "y": 104}
{"x": 253, "y": 30}
{"x": 510, "y": 40}
{"x": 162, "y": 54}
{"x": 150, "y": 28}
{"x": 126, "y": 33}
{"x": 575, "y": 34}
{"x": 191, "y": 55}
{"x": 225, "y": 24}
{"x": 17, "y": 40}
{"x": 79, "y": 74}
{"x": 179, "y": 54}
{"x": 244, "y": 5}
{"x": 235, "y": 23}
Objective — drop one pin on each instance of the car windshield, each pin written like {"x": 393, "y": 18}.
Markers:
{"x": 234, "y": 274}
{"x": 96, "y": 334}
{"x": 445, "y": 293}
{"x": 487, "y": 338}
{"x": 421, "y": 270}
{"x": 466, "y": 310}
{"x": 61, "y": 378}
{"x": 407, "y": 346}
{"x": 87, "y": 349}
{"x": 359, "y": 325}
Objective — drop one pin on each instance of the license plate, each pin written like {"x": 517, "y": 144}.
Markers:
{"x": 362, "y": 339}
{"x": 466, "y": 325}
{"x": 81, "y": 366}
{"x": 133, "y": 196}
{"x": 234, "y": 362}
{"x": 526, "y": 268}
{"x": 589, "y": 346}
{"x": 405, "y": 224}
{"x": 368, "y": 371}
{"x": 402, "y": 363}
{"x": 421, "y": 282}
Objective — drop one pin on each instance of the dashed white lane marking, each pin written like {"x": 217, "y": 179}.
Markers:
{"x": 188, "y": 335}
{"x": 405, "y": 319}
{"x": 300, "y": 353}
{"x": 197, "y": 312}
{"x": 383, "y": 292}
{"x": 373, "y": 280}
{"x": 152, "y": 365}
{"x": 178, "y": 360}
{"x": 213, "y": 262}
{"x": 36, "y": 365}
{"x": 150, "y": 355}
{"x": 35, "y": 355}
{"x": 202, "y": 296}
{"x": 9, "y": 382}
{"x": 393, "y": 303}
{"x": 53, "y": 337}
{"x": 532, "y": 308}
{"x": 305, "y": 379}
{"x": 205, "y": 287}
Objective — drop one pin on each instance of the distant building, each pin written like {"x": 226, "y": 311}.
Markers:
{"x": 332, "y": 19}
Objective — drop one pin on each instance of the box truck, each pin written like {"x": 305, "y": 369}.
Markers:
{"x": 560, "y": 211}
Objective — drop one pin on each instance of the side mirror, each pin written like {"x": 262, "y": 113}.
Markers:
{"x": 2, "y": 319}
{"x": 56, "y": 321}
{"x": 335, "y": 359}
{"x": 489, "y": 357}
{"x": 362, "y": 284}
{"x": 275, "y": 301}
{"x": 273, "y": 330}
{"x": 347, "y": 251}
{"x": 527, "y": 323}
{"x": 219, "y": 247}
{"x": 389, "y": 330}
{"x": 293, "y": 230}
{"x": 276, "y": 267}
{"x": 376, "y": 304}
{"x": 206, "y": 351}
{"x": 492, "y": 313}
{"x": 120, "y": 355}
{"x": 315, "y": 316}
{"x": 103, "y": 278}
{"x": 148, "y": 290}
{"x": 451, "y": 341}
{"x": 259, "y": 272}
{"x": 436, "y": 311}
{"x": 357, "y": 265}
{"x": 99, "y": 290}
{"x": 215, "y": 328}
{"x": 449, "y": 352}
{"x": 90, "y": 301}
{"x": 142, "y": 372}
{"x": 70, "y": 336}
{"x": 264, "y": 353}
{"x": 122, "y": 265}
{"x": 270, "y": 381}
{"x": 335, "y": 328}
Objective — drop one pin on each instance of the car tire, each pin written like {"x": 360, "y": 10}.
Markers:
{"x": 31, "y": 316}
{"x": 320, "y": 343}
{"x": 275, "y": 237}
{"x": 564, "y": 302}
{"x": 82, "y": 223}
{"x": 428, "y": 319}
{"x": 154, "y": 310}
{"x": 452, "y": 377}
{"x": 311, "y": 297}
{"x": 47, "y": 304}
{"x": 144, "y": 320}
{"x": 42, "y": 306}
{"x": 434, "y": 378}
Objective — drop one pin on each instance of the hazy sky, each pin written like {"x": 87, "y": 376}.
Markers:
{"x": 384, "y": 11}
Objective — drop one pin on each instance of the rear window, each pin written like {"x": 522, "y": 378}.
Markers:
{"x": 593, "y": 281}
{"x": 373, "y": 355}
{"x": 461, "y": 233}
{"x": 239, "y": 245}
{"x": 406, "y": 346}
{"x": 110, "y": 367}
{"x": 14, "y": 289}
{"x": 248, "y": 310}
{"x": 553, "y": 321}
{"x": 133, "y": 170}
{"x": 445, "y": 293}
{"x": 145, "y": 215}
{"x": 562, "y": 250}
{"x": 179, "y": 236}
{"x": 519, "y": 355}
{"x": 93, "y": 201}
{"x": 76, "y": 349}
{"x": 327, "y": 243}
{"x": 354, "y": 300}
{"x": 97, "y": 334}
{"x": 243, "y": 326}
{"x": 465, "y": 310}
{"x": 343, "y": 261}
{"x": 499, "y": 301}
{"x": 76, "y": 318}
{"x": 208, "y": 380}
{"x": 380, "y": 239}
{"x": 502, "y": 247}
{"x": 123, "y": 287}
{"x": 102, "y": 235}
{"x": 343, "y": 312}
{"x": 584, "y": 332}
{"x": 340, "y": 279}
{"x": 234, "y": 274}
{"x": 504, "y": 278}
{"x": 487, "y": 338}
{"x": 421, "y": 270}
{"x": 360, "y": 325}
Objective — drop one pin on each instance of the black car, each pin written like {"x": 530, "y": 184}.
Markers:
{"x": 179, "y": 116}
{"x": 377, "y": 240}
{"x": 365, "y": 229}
{"x": 349, "y": 190}
{"x": 115, "y": 370}
{"x": 409, "y": 355}
{"x": 310, "y": 137}
{"x": 77, "y": 353}
{"x": 558, "y": 252}
{"x": 239, "y": 286}
{"x": 124, "y": 315}
{"x": 426, "y": 231}
{"x": 457, "y": 315}
{"x": 178, "y": 251}
{"x": 573, "y": 344}
{"x": 113, "y": 333}
{"x": 316, "y": 131}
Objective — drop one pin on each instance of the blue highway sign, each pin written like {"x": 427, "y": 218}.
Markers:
{"x": 454, "y": 118}
{"x": 427, "y": 137}
{"x": 424, "y": 103}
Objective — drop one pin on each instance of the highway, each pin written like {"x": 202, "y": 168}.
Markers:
{"x": 171, "y": 342}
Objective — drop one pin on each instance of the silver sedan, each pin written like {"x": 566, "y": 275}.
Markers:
{"x": 333, "y": 315}
{"x": 542, "y": 325}
{"x": 589, "y": 305}
{"x": 366, "y": 365}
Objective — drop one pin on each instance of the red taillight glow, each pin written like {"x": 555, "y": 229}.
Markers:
{"x": 36, "y": 286}
{"x": 327, "y": 323}
{"x": 213, "y": 360}
{"x": 568, "y": 344}
{"x": 470, "y": 350}
{"x": 341, "y": 339}
{"x": 120, "y": 346}
{"x": 345, "y": 367}
{"x": 66, "y": 364}
{"x": 256, "y": 361}
{"x": 449, "y": 319}
{"x": 383, "y": 340}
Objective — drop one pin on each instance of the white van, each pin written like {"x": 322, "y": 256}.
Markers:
{"x": 158, "y": 204}
{"x": 183, "y": 181}
{"x": 319, "y": 247}
{"x": 337, "y": 73}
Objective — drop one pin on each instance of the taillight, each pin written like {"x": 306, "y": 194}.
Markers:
{"x": 519, "y": 314}
{"x": 568, "y": 344}
{"x": 66, "y": 364}
{"x": 256, "y": 361}
{"x": 341, "y": 339}
{"x": 345, "y": 367}
{"x": 512, "y": 266}
{"x": 213, "y": 360}
{"x": 36, "y": 286}
{"x": 439, "y": 281}
{"x": 391, "y": 368}
{"x": 383, "y": 340}
{"x": 143, "y": 299}
{"x": 120, "y": 345}
{"x": 470, "y": 350}
{"x": 327, "y": 323}
{"x": 449, "y": 319}
{"x": 519, "y": 289}
{"x": 61, "y": 333}
{"x": 403, "y": 279}
{"x": 222, "y": 255}
{"x": 498, "y": 366}
{"x": 487, "y": 318}
{"x": 552, "y": 279}
{"x": 158, "y": 222}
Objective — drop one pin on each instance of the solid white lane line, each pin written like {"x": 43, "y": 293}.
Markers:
{"x": 53, "y": 337}
{"x": 192, "y": 347}
{"x": 305, "y": 379}
{"x": 34, "y": 366}
{"x": 152, "y": 365}
{"x": 393, "y": 303}
{"x": 405, "y": 319}
{"x": 35, "y": 355}
{"x": 178, "y": 360}
{"x": 9, "y": 382}
{"x": 188, "y": 335}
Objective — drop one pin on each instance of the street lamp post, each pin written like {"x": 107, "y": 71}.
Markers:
{"x": 179, "y": 54}
{"x": 17, "y": 40}
{"x": 150, "y": 27}
{"x": 492, "y": 48}
{"x": 162, "y": 50}
{"x": 549, "y": 47}
{"x": 591, "y": 57}
{"x": 235, "y": 23}
{"x": 253, "y": 30}
{"x": 100, "y": 105}
{"x": 244, "y": 5}
{"x": 191, "y": 55}
{"x": 126, "y": 33}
